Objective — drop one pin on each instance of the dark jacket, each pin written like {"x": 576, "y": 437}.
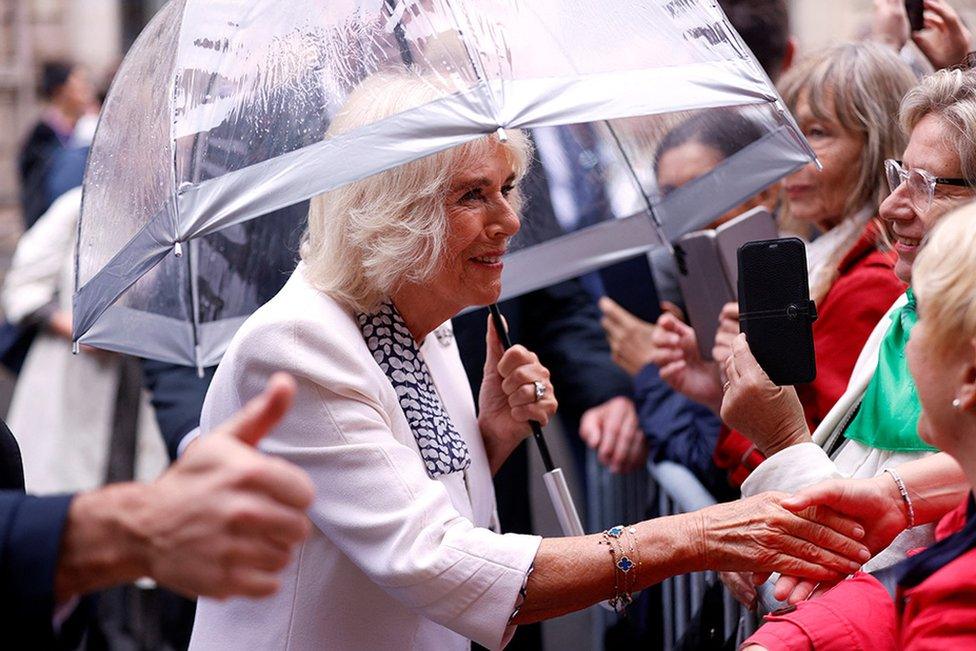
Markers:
{"x": 679, "y": 430}
{"x": 34, "y": 163}
{"x": 30, "y": 538}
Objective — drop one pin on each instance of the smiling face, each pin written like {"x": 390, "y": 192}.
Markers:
{"x": 928, "y": 149}
{"x": 480, "y": 223}
{"x": 820, "y": 196}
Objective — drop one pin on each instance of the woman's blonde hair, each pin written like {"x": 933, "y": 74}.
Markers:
{"x": 366, "y": 238}
{"x": 860, "y": 85}
{"x": 944, "y": 278}
{"x": 951, "y": 95}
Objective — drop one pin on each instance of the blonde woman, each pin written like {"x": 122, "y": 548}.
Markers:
{"x": 404, "y": 551}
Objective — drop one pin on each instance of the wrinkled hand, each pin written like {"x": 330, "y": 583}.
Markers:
{"x": 507, "y": 399}
{"x": 945, "y": 41}
{"x": 630, "y": 338}
{"x": 675, "y": 352}
{"x": 728, "y": 330}
{"x": 758, "y": 534}
{"x": 224, "y": 519}
{"x": 874, "y": 503}
{"x": 612, "y": 430}
{"x": 768, "y": 415}
{"x": 889, "y": 25}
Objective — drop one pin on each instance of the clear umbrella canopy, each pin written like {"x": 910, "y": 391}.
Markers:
{"x": 221, "y": 114}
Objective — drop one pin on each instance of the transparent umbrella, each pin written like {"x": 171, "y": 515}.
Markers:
{"x": 221, "y": 112}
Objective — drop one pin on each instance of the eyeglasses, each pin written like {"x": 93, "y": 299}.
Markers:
{"x": 921, "y": 184}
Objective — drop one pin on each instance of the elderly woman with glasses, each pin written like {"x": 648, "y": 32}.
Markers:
{"x": 405, "y": 551}
{"x": 873, "y": 427}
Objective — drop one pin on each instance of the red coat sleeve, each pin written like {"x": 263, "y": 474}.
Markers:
{"x": 829, "y": 623}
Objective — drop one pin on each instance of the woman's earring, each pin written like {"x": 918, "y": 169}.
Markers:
{"x": 957, "y": 403}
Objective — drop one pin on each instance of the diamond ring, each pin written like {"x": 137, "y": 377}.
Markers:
{"x": 540, "y": 390}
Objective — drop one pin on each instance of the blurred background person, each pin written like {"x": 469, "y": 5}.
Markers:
{"x": 69, "y": 95}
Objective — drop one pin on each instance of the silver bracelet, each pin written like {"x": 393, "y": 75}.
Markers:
{"x": 904, "y": 496}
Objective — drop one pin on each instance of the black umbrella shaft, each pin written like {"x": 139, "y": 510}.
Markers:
{"x": 502, "y": 331}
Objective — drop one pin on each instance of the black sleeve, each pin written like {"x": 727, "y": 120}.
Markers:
{"x": 177, "y": 395}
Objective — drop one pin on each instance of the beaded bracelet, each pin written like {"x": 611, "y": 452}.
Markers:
{"x": 904, "y": 496}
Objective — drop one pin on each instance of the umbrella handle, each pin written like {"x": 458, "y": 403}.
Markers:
{"x": 562, "y": 502}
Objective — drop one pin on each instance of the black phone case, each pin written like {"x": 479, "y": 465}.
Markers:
{"x": 775, "y": 310}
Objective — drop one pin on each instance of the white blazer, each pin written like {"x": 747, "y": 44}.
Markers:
{"x": 396, "y": 560}
{"x": 800, "y": 466}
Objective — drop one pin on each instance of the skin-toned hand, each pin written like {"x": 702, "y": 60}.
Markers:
{"x": 728, "y": 330}
{"x": 222, "y": 521}
{"x": 876, "y": 503}
{"x": 612, "y": 430}
{"x": 753, "y": 534}
{"x": 945, "y": 41}
{"x": 507, "y": 400}
{"x": 676, "y": 354}
{"x": 768, "y": 415}
{"x": 889, "y": 25}
{"x": 630, "y": 338}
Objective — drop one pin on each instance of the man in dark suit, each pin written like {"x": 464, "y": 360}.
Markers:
{"x": 221, "y": 496}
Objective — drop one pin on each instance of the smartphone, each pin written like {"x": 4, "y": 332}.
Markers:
{"x": 916, "y": 14}
{"x": 630, "y": 283}
{"x": 775, "y": 310}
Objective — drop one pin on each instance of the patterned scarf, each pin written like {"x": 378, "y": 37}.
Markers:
{"x": 387, "y": 337}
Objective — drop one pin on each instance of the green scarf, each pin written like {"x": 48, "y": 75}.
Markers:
{"x": 888, "y": 416}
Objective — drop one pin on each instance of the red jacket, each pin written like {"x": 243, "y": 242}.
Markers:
{"x": 860, "y": 296}
{"x": 938, "y": 614}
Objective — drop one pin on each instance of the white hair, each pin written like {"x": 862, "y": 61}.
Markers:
{"x": 367, "y": 237}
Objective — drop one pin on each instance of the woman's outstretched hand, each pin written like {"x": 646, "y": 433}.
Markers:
{"x": 508, "y": 401}
{"x": 759, "y": 534}
{"x": 768, "y": 415}
{"x": 875, "y": 503}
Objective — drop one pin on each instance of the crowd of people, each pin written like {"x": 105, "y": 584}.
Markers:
{"x": 388, "y": 504}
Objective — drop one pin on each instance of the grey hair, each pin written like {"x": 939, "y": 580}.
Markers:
{"x": 951, "y": 95}
{"x": 368, "y": 237}
{"x": 862, "y": 86}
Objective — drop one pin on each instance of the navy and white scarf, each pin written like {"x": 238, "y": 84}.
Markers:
{"x": 388, "y": 339}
